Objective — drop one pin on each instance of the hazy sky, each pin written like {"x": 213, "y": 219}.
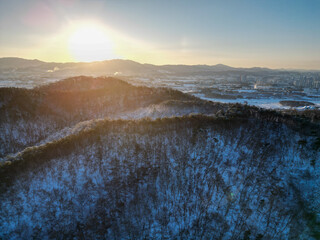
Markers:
{"x": 242, "y": 33}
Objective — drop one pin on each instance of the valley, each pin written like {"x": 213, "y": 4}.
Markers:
{"x": 259, "y": 87}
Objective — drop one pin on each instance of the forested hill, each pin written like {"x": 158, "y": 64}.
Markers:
{"x": 29, "y": 116}
{"x": 194, "y": 177}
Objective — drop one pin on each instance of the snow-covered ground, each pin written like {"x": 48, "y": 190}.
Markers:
{"x": 268, "y": 103}
{"x": 260, "y": 96}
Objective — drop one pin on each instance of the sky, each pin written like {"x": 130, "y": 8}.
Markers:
{"x": 239, "y": 33}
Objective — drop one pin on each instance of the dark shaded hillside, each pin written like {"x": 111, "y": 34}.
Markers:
{"x": 83, "y": 83}
{"x": 30, "y": 115}
{"x": 196, "y": 177}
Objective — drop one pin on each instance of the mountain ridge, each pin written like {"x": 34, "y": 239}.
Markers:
{"x": 121, "y": 161}
{"x": 14, "y": 61}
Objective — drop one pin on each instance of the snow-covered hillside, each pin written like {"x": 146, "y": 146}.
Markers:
{"x": 187, "y": 178}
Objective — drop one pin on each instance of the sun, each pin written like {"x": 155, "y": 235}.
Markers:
{"x": 90, "y": 42}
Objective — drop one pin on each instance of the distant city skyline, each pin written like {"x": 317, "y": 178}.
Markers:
{"x": 272, "y": 34}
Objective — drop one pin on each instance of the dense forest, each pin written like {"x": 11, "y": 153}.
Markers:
{"x": 98, "y": 158}
{"x": 29, "y": 116}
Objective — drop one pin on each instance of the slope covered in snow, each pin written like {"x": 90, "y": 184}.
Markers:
{"x": 190, "y": 177}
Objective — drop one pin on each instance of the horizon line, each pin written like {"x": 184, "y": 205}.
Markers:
{"x": 175, "y": 64}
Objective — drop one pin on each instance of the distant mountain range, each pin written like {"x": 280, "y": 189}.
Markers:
{"x": 119, "y": 65}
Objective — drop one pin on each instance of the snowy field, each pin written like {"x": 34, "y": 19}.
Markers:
{"x": 263, "y": 97}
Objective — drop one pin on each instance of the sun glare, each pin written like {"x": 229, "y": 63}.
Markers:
{"x": 90, "y": 43}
